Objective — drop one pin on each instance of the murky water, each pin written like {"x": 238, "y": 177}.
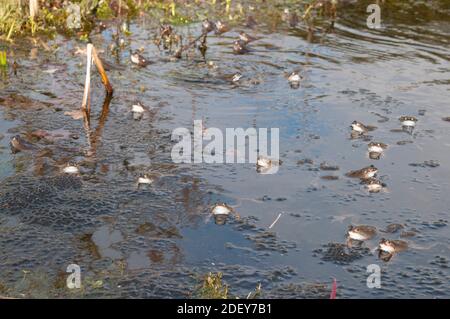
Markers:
{"x": 156, "y": 241}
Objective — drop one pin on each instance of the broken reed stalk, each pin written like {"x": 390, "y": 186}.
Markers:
{"x": 86, "y": 104}
{"x": 92, "y": 56}
{"x": 34, "y": 8}
{"x": 101, "y": 70}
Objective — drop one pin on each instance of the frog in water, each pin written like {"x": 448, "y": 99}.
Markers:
{"x": 144, "y": 179}
{"x": 245, "y": 38}
{"x": 239, "y": 47}
{"x": 373, "y": 185}
{"x": 408, "y": 121}
{"x": 360, "y": 234}
{"x": 375, "y": 149}
{"x": 265, "y": 165}
{"x": 221, "y": 27}
{"x": 18, "y": 144}
{"x": 360, "y": 128}
{"x": 387, "y": 248}
{"x": 138, "y": 59}
{"x": 294, "y": 79}
{"x": 207, "y": 26}
{"x": 71, "y": 168}
{"x": 221, "y": 212}
{"x": 363, "y": 173}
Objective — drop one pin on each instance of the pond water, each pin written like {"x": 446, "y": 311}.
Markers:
{"x": 158, "y": 241}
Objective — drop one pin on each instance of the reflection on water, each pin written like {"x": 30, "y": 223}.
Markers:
{"x": 150, "y": 242}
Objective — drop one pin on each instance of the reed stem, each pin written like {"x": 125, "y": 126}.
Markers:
{"x": 86, "y": 104}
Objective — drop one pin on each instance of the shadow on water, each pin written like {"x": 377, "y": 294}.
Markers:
{"x": 153, "y": 241}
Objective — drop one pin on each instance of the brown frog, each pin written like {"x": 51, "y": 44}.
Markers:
{"x": 408, "y": 121}
{"x": 373, "y": 185}
{"x": 245, "y": 38}
{"x": 361, "y": 128}
{"x": 221, "y": 212}
{"x": 221, "y": 27}
{"x": 18, "y": 144}
{"x": 363, "y": 173}
{"x": 387, "y": 248}
{"x": 207, "y": 26}
{"x": 375, "y": 149}
{"x": 138, "y": 59}
{"x": 239, "y": 47}
{"x": 360, "y": 233}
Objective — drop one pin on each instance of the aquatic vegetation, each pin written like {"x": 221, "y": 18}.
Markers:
{"x": 212, "y": 287}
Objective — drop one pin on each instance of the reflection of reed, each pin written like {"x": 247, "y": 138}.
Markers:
{"x": 93, "y": 136}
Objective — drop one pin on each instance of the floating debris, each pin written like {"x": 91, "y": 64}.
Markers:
{"x": 393, "y": 228}
{"x": 305, "y": 161}
{"x": 275, "y": 221}
{"x": 407, "y": 234}
{"x": 330, "y": 177}
{"x": 430, "y": 163}
{"x": 236, "y": 77}
{"x": 404, "y": 142}
{"x": 324, "y": 166}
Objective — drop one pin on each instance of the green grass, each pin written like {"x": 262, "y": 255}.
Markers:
{"x": 3, "y": 60}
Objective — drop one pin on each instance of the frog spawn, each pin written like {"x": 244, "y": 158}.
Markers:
{"x": 341, "y": 254}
